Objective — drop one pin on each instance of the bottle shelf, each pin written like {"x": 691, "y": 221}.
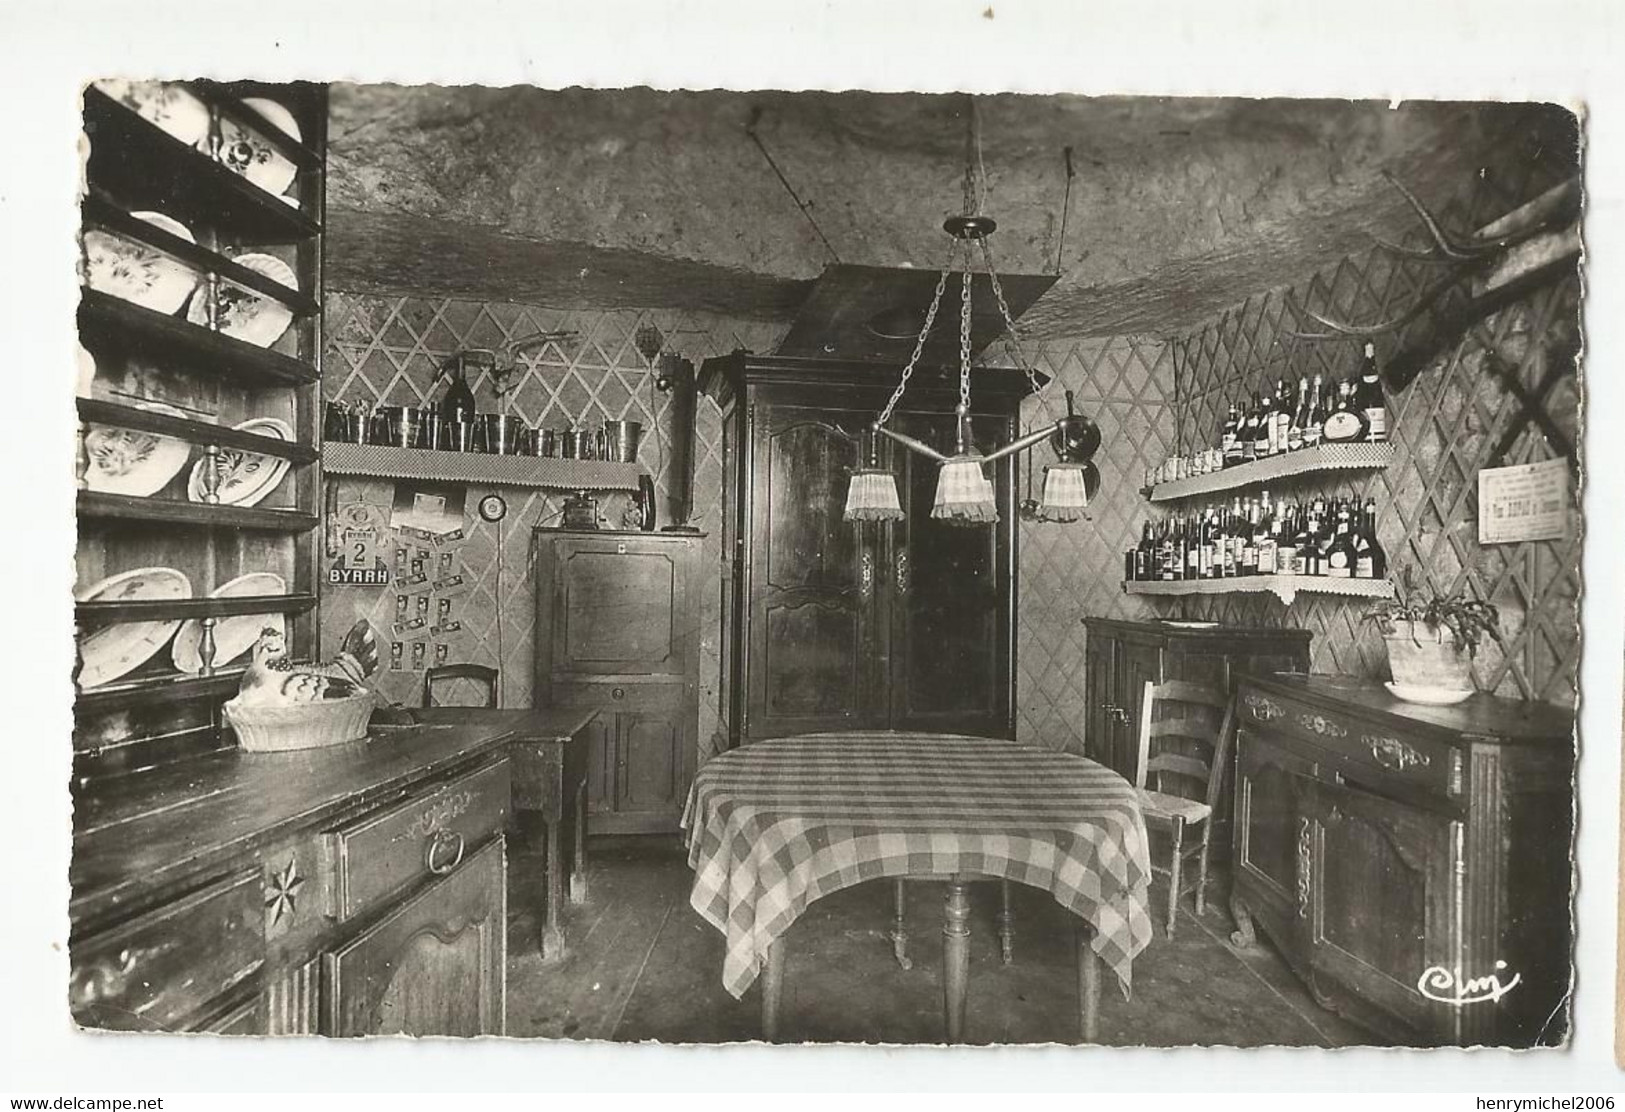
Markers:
{"x": 1322, "y": 457}
{"x": 110, "y": 323}
{"x": 1284, "y": 587}
{"x": 96, "y": 412}
{"x": 378, "y": 461}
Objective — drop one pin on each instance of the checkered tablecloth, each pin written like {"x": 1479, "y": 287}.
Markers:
{"x": 775, "y": 825}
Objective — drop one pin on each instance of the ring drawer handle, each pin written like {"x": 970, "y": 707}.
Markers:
{"x": 432, "y": 858}
{"x": 618, "y": 693}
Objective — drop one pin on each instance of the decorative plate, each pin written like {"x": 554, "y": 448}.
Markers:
{"x": 169, "y": 106}
{"x": 245, "y": 477}
{"x": 244, "y": 314}
{"x": 86, "y": 364}
{"x": 1428, "y": 696}
{"x": 116, "y": 650}
{"x": 235, "y": 635}
{"x": 129, "y": 461}
{"x": 139, "y": 273}
{"x": 247, "y": 152}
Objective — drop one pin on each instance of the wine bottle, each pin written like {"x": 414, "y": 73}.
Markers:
{"x": 1166, "y": 554}
{"x": 1286, "y": 541}
{"x": 1283, "y": 415}
{"x": 1369, "y": 399}
{"x": 1262, "y": 431}
{"x": 458, "y": 402}
{"x": 1346, "y": 425}
{"x": 1266, "y": 537}
{"x": 1248, "y": 528}
{"x": 1142, "y": 555}
{"x": 1205, "y": 568}
{"x": 1370, "y": 559}
{"x": 1300, "y": 417}
{"x": 1340, "y": 553}
{"x": 1314, "y": 426}
{"x": 1229, "y": 449}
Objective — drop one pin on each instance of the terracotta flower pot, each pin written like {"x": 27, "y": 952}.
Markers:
{"x": 1428, "y": 656}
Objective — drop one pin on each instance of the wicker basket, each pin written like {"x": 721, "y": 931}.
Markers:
{"x": 301, "y": 726}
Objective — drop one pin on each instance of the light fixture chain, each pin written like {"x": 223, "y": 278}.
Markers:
{"x": 964, "y": 331}
{"x": 1012, "y": 337}
{"x": 919, "y": 345}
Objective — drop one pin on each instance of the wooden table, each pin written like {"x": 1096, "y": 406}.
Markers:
{"x": 550, "y": 756}
{"x": 778, "y": 824}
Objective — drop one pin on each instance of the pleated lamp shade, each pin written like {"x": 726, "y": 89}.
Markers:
{"x": 964, "y": 493}
{"x": 1067, "y": 489}
{"x": 872, "y": 496}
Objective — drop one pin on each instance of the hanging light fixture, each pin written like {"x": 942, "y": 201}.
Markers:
{"x": 964, "y": 492}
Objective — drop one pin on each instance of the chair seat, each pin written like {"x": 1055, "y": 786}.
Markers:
{"x": 1163, "y": 805}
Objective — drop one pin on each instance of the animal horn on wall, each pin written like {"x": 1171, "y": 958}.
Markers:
{"x": 1552, "y": 214}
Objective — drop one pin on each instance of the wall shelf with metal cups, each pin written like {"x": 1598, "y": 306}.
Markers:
{"x": 421, "y": 428}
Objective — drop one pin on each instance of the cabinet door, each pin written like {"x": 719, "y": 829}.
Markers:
{"x": 1137, "y": 665}
{"x": 1273, "y": 841}
{"x": 809, "y": 661}
{"x": 1381, "y": 894}
{"x": 433, "y": 966}
{"x": 652, "y": 750}
{"x": 601, "y": 758}
{"x": 1099, "y": 690}
{"x": 948, "y": 590}
{"x": 617, "y": 605}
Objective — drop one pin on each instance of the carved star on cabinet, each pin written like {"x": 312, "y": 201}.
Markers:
{"x": 282, "y": 891}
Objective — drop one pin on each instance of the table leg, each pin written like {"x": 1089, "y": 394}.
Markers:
{"x": 578, "y": 872}
{"x": 955, "y": 958}
{"x": 899, "y": 925}
{"x": 772, "y": 989}
{"x": 552, "y": 933}
{"x": 1088, "y": 984}
{"x": 1007, "y": 925}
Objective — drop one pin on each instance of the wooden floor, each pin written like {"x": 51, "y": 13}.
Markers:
{"x": 643, "y": 965}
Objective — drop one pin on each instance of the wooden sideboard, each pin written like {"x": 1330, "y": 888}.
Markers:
{"x": 1411, "y": 863}
{"x": 355, "y": 890}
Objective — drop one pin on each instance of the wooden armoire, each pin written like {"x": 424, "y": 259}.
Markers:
{"x": 836, "y": 625}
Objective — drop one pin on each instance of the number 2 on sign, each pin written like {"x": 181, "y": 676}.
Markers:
{"x": 360, "y": 548}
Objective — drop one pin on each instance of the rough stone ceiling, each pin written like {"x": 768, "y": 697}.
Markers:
{"x": 1179, "y": 207}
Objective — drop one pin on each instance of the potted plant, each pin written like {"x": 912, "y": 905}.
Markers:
{"x": 1432, "y": 642}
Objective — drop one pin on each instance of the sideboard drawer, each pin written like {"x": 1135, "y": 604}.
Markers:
{"x": 427, "y": 835}
{"x": 617, "y": 694}
{"x": 154, "y": 972}
{"x": 1357, "y": 744}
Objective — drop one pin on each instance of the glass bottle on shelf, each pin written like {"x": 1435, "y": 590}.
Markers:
{"x": 1264, "y": 537}
{"x": 1193, "y": 548}
{"x": 1300, "y": 417}
{"x": 1247, "y": 432}
{"x": 1340, "y": 553}
{"x": 1263, "y": 430}
{"x": 1286, "y": 543}
{"x": 1347, "y": 424}
{"x": 1229, "y": 448}
{"x": 1142, "y": 554}
{"x": 1165, "y": 554}
{"x": 1368, "y": 397}
{"x": 457, "y": 405}
{"x": 1283, "y": 416}
{"x": 1315, "y": 425}
{"x": 1370, "y": 559}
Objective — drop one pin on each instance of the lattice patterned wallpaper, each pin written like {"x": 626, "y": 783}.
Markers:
{"x": 1446, "y": 426}
{"x": 1069, "y": 571}
{"x": 386, "y": 350}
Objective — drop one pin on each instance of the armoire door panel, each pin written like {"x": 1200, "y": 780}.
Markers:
{"x": 949, "y": 596}
{"x": 807, "y": 465}
{"x": 615, "y": 612}
{"x": 810, "y": 660}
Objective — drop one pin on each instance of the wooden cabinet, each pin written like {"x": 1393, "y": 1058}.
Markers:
{"x": 1409, "y": 862}
{"x": 829, "y": 624}
{"x": 618, "y": 632}
{"x": 435, "y": 965}
{"x": 1121, "y": 657}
